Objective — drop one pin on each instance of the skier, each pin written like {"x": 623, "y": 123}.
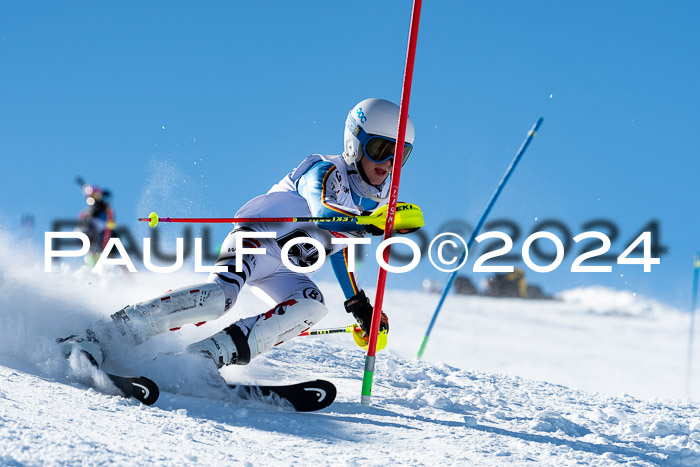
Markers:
{"x": 96, "y": 220}
{"x": 329, "y": 186}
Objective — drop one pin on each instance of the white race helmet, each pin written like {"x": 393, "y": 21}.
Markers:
{"x": 370, "y": 130}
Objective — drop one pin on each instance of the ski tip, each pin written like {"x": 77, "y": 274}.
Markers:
{"x": 145, "y": 390}
{"x": 140, "y": 388}
{"x": 324, "y": 393}
{"x": 307, "y": 396}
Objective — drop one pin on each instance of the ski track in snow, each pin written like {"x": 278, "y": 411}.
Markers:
{"x": 423, "y": 413}
{"x": 472, "y": 409}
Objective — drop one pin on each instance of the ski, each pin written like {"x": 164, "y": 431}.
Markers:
{"x": 307, "y": 396}
{"x": 140, "y": 388}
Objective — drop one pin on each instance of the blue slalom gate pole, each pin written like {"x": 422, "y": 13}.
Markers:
{"x": 475, "y": 233}
{"x": 691, "y": 333}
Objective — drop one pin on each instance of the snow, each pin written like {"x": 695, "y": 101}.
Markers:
{"x": 594, "y": 377}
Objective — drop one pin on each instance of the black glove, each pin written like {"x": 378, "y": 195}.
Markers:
{"x": 371, "y": 229}
{"x": 374, "y": 230}
{"x": 377, "y": 231}
{"x": 361, "y": 310}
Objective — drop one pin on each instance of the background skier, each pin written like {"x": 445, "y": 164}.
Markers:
{"x": 96, "y": 220}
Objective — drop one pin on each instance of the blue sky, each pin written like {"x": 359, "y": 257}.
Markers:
{"x": 192, "y": 108}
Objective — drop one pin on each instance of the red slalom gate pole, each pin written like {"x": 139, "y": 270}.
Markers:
{"x": 393, "y": 198}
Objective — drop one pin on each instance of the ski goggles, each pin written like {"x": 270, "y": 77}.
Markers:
{"x": 377, "y": 148}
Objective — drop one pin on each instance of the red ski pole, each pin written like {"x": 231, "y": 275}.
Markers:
{"x": 410, "y": 217}
{"x": 319, "y": 332}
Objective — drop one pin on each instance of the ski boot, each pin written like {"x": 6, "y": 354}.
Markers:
{"x": 87, "y": 344}
{"x": 247, "y": 338}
